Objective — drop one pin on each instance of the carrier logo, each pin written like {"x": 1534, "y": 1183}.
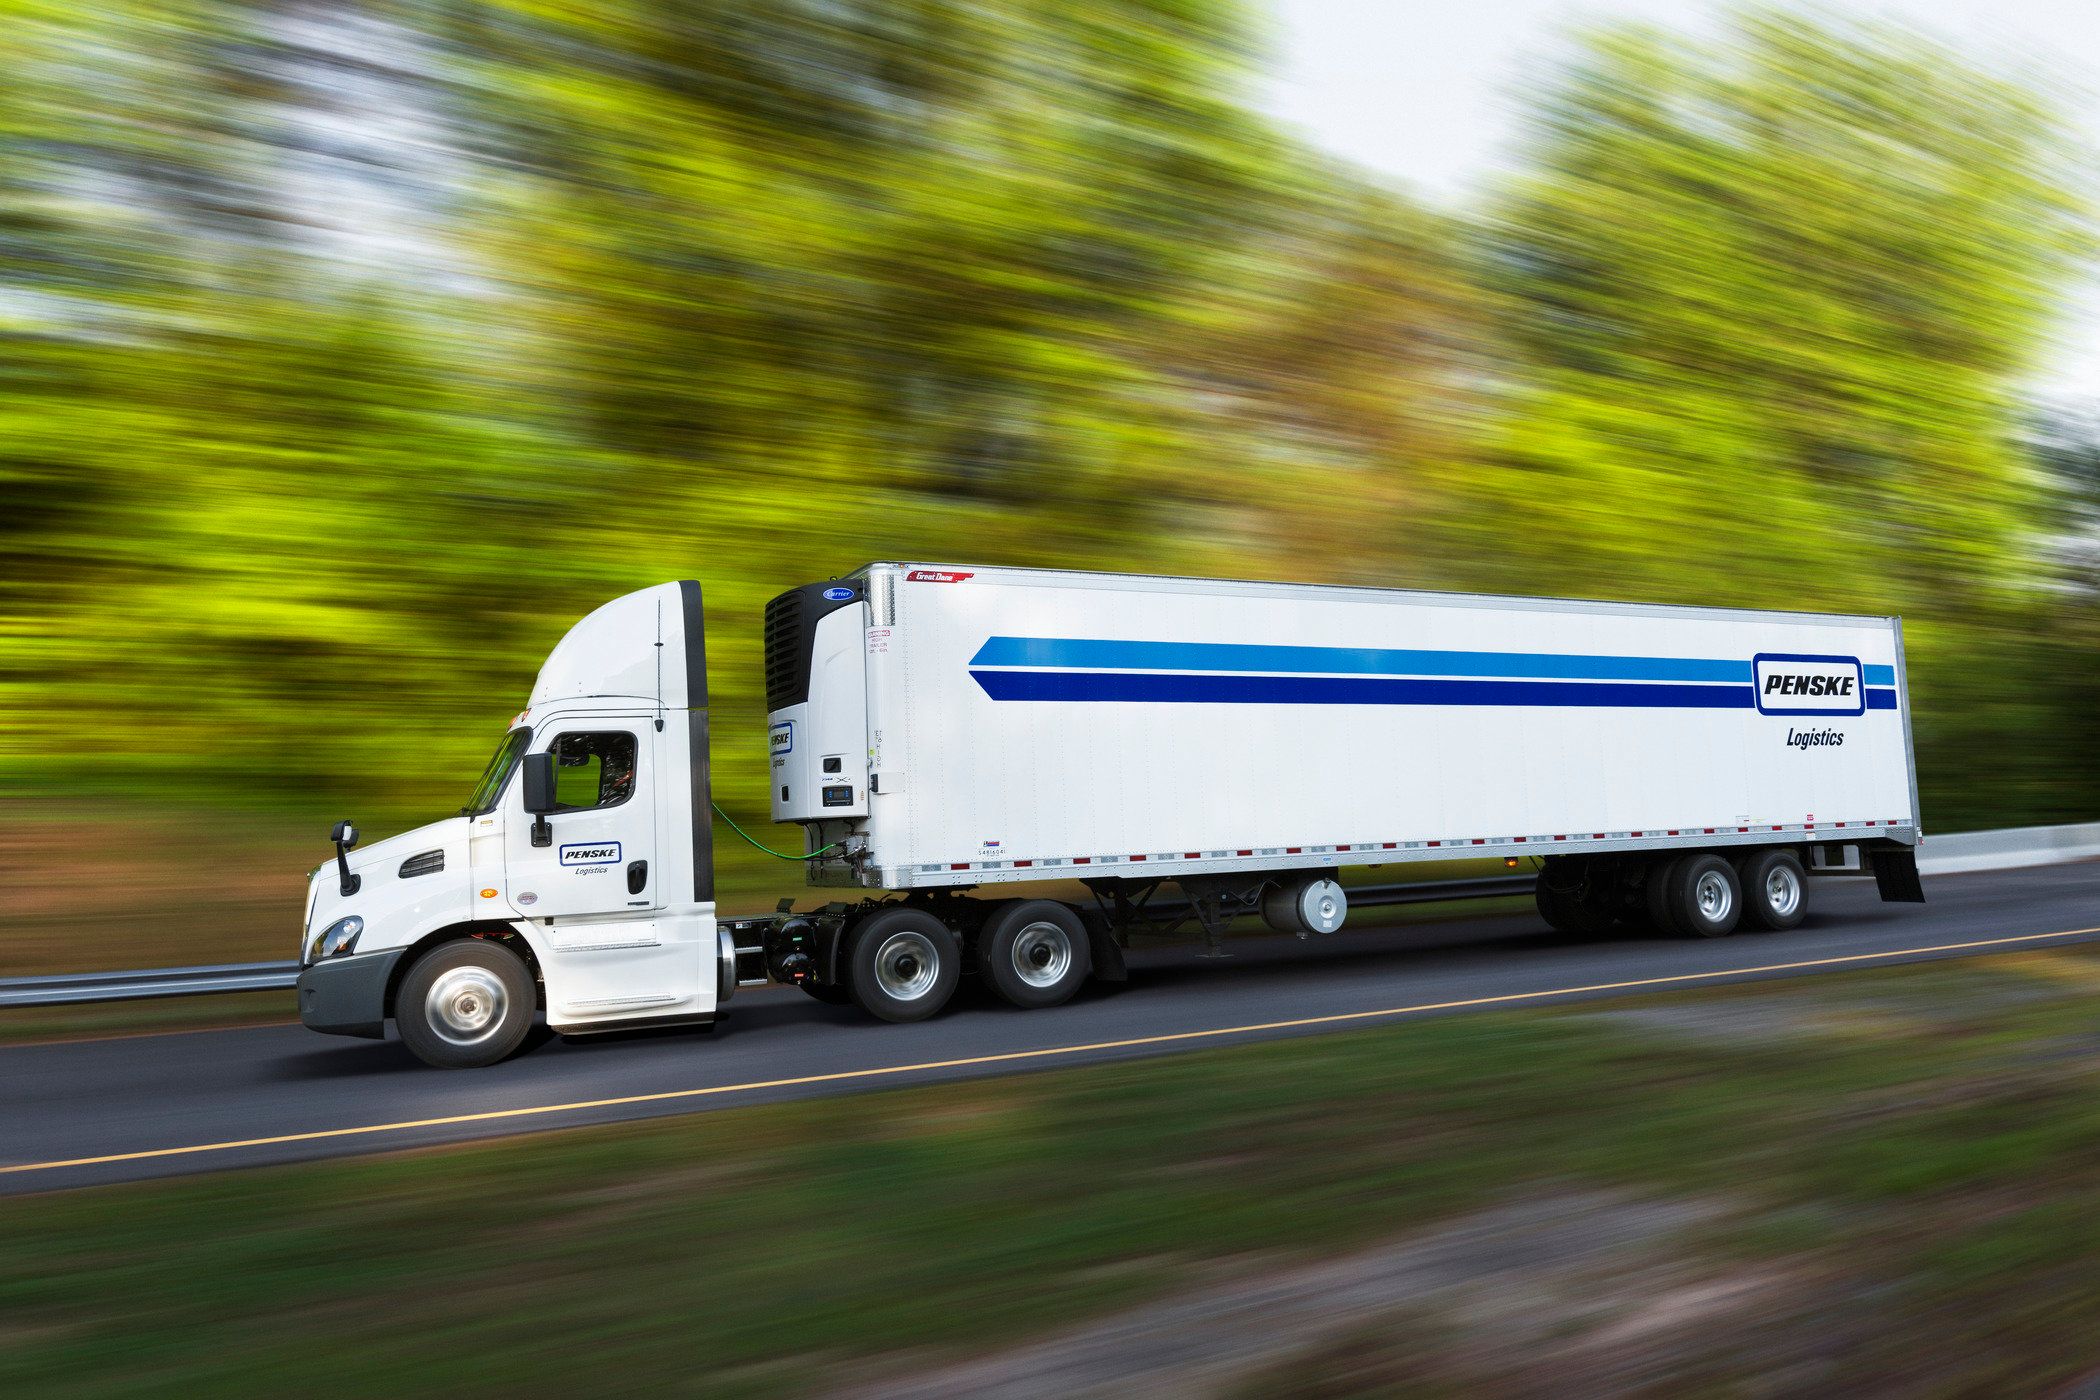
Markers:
{"x": 837, "y": 595}
{"x": 936, "y": 576}
{"x": 604, "y": 853}
{"x": 1789, "y": 684}
{"x": 783, "y": 737}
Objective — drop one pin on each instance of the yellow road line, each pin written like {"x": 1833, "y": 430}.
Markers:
{"x": 1012, "y": 1056}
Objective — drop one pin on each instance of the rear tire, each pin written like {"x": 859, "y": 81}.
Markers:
{"x": 1704, "y": 898}
{"x": 1775, "y": 888}
{"x": 903, "y": 965}
{"x": 1034, "y": 953}
{"x": 465, "y": 1004}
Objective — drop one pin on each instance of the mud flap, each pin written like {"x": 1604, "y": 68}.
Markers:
{"x": 1896, "y": 876}
{"x": 1107, "y": 953}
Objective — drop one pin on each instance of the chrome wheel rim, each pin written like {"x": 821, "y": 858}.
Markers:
{"x": 1714, "y": 898}
{"x": 1783, "y": 891}
{"x": 1042, "y": 954}
{"x": 907, "y": 965}
{"x": 465, "y": 1005}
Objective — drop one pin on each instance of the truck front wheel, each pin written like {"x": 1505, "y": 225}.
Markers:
{"x": 465, "y": 1004}
{"x": 903, "y": 965}
{"x": 1034, "y": 953}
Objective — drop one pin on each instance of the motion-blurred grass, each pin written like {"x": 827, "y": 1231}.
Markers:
{"x": 348, "y": 354}
{"x": 1879, "y": 1182}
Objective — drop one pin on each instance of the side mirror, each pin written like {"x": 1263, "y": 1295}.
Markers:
{"x": 345, "y": 837}
{"x": 539, "y": 795}
{"x": 539, "y": 783}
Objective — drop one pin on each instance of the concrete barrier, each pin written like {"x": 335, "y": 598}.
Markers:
{"x": 2008, "y": 848}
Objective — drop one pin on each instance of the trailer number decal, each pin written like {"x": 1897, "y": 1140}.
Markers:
{"x": 603, "y": 853}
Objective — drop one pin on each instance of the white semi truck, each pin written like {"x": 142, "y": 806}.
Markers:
{"x": 942, "y": 733}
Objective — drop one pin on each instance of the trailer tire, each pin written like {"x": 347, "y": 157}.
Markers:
{"x": 1576, "y": 911}
{"x": 903, "y": 964}
{"x": 1702, "y": 895}
{"x": 1656, "y": 884}
{"x": 1034, "y": 952}
{"x": 1775, "y": 888}
{"x": 465, "y": 1004}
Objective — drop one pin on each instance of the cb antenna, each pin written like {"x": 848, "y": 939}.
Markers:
{"x": 659, "y": 665}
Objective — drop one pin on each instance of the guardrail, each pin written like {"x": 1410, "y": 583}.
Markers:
{"x": 1952, "y": 854}
{"x": 2008, "y": 848}
{"x": 78, "y": 988}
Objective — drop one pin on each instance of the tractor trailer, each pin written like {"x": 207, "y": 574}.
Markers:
{"x": 945, "y": 736}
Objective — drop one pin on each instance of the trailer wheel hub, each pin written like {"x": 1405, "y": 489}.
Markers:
{"x": 1782, "y": 890}
{"x": 1042, "y": 954}
{"x": 1715, "y": 899}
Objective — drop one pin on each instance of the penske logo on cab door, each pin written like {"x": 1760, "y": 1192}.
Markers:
{"x": 1791, "y": 684}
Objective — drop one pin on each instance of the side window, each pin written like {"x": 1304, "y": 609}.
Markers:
{"x": 593, "y": 770}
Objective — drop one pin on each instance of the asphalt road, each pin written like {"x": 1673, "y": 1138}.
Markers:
{"x": 207, "y": 1100}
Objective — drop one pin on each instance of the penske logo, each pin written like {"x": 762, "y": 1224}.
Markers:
{"x": 1789, "y": 684}
{"x": 603, "y": 853}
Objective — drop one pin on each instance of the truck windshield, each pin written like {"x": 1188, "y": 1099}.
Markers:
{"x": 497, "y": 773}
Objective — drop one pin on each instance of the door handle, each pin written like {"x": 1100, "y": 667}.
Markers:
{"x": 637, "y": 876}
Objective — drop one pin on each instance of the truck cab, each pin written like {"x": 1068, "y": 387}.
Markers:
{"x": 576, "y": 881}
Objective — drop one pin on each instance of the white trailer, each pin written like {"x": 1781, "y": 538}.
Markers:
{"x": 938, "y": 729}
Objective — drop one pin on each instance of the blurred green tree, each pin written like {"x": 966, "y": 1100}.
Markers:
{"x": 350, "y": 353}
{"x": 1769, "y": 307}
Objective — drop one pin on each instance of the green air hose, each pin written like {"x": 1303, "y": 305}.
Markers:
{"x": 767, "y": 849}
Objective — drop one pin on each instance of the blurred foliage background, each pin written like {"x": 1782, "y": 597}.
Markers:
{"x": 350, "y": 351}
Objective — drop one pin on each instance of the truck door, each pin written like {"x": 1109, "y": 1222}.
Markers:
{"x": 599, "y": 860}
{"x": 608, "y": 952}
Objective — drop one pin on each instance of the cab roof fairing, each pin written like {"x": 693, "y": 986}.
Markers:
{"x": 614, "y": 652}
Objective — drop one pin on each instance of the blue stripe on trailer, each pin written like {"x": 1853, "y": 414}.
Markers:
{"x": 1094, "y": 653}
{"x": 1355, "y": 690}
{"x": 1879, "y": 675}
{"x": 1879, "y": 699}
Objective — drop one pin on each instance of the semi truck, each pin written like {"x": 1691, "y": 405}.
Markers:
{"x": 1001, "y": 770}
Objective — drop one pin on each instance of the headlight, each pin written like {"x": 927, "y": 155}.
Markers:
{"x": 339, "y": 937}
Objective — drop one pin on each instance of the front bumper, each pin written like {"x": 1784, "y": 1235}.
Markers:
{"x": 347, "y": 996}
